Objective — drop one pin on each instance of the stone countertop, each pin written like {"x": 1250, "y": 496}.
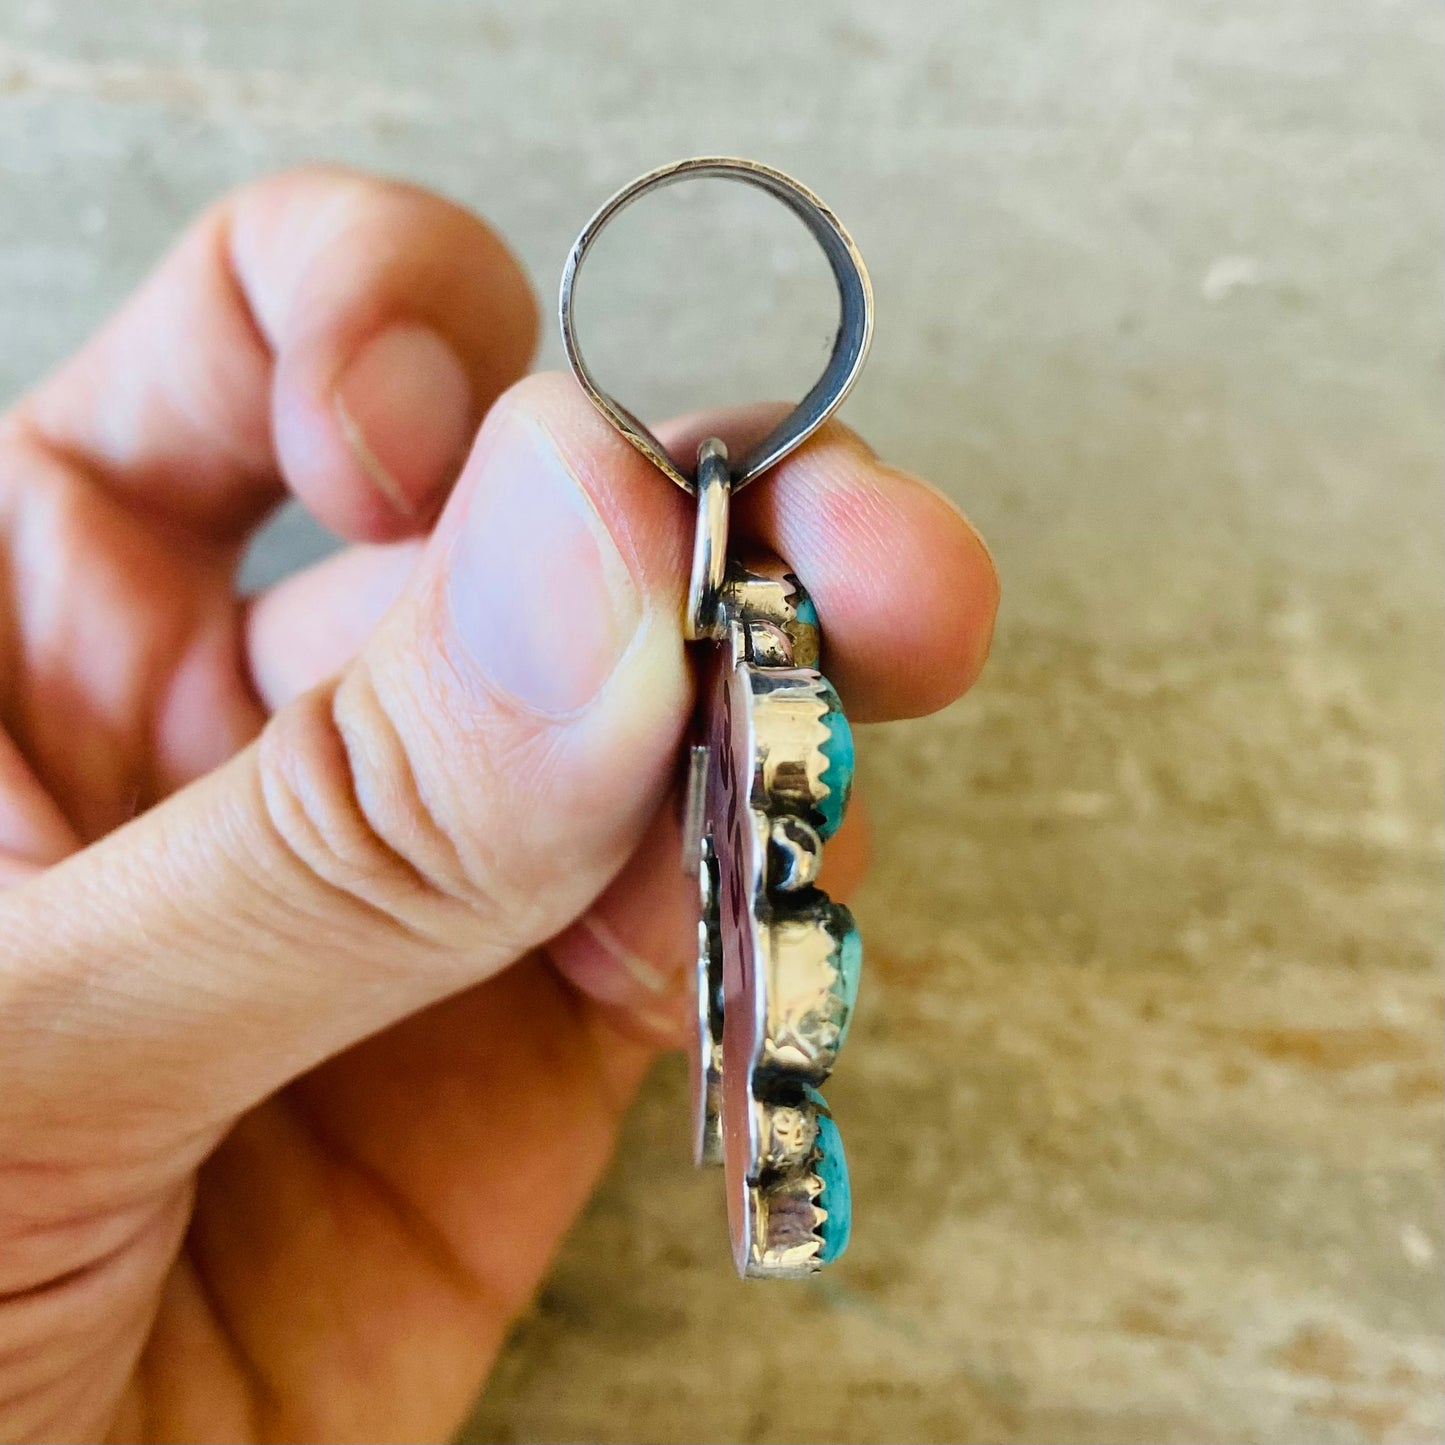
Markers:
{"x": 1143, "y": 1102}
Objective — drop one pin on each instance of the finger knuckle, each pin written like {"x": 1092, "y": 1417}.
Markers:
{"x": 343, "y": 796}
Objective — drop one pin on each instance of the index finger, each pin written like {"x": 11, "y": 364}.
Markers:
{"x": 905, "y": 587}
{"x": 320, "y": 330}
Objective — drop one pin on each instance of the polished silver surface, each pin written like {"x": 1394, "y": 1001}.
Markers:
{"x": 767, "y": 930}
{"x": 803, "y": 1009}
{"x": 703, "y": 620}
{"x": 780, "y": 1210}
{"x": 708, "y": 1054}
{"x": 764, "y": 597}
{"x": 783, "y": 1220}
{"x": 850, "y": 344}
{"x": 694, "y": 804}
{"x": 795, "y": 853}
{"x": 792, "y": 705}
{"x": 787, "y": 1133}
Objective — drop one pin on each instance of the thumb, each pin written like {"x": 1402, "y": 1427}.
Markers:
{"x": 452, "y": 799}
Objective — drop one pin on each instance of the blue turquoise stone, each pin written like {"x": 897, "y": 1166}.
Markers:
{"x": 805, "y": 612}
{"x": 848, "y": 960}
{"x": 838, "y": 771}
{"x": 836, "y": 1200}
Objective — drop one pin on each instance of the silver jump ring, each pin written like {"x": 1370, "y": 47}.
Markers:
{"x": 850, "y": 345}
{"x": 703, "y": 620}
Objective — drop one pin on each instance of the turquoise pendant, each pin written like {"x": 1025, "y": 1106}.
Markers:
{"x": 835, "y": 1199}
{"x": 837, "y": 776}
{"x": 779, "y": 962}
{"x": 848, "y": 961}
{"x": 768, "y": 780}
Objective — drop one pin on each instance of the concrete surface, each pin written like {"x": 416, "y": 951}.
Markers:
{"x": 1144, "y": 1101}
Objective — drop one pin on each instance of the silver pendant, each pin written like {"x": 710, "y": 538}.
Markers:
{"x": 769, "y": 774}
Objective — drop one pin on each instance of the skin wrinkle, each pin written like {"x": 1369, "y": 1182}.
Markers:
{"x": 257, "y": 1394}
{"x": 122, "y": 1272}
{"x": 16, "y": 1293}
{"x": 637, "y": 967}
{"x": 365, "y": 724}
{"x": 139, "y": 1413}
{"x": 212, "y": 411}
{"x": 485, "y": 720}
{"x": 262, "y": 463}
{"x": 165, "y": 650}
{"x": 589, "y": 1019}
{"x": 252, "y": 249}
{"x": 304, "y": 840}
{"x": 430, "y": 1241}
{"x": 216, "y": 441}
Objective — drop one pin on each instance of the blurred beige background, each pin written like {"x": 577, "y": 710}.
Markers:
{"x": 1143, "y": 1106}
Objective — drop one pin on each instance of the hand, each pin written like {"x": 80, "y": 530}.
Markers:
{"x": 341, "y": 923}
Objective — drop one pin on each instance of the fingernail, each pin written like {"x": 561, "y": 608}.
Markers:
{"x": 404, "y": 406}
{"x": 540, "y": 596}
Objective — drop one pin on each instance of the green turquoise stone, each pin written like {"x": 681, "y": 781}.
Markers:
{"x": 838, "y": 769}
{"x": 836, "y": 1200}
{"x": 848, "y": 960}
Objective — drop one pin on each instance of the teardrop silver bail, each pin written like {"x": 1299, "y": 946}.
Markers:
{"x": 850, "y": 345}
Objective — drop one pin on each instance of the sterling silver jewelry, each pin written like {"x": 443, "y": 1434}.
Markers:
{"x": 768, "y": 778}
